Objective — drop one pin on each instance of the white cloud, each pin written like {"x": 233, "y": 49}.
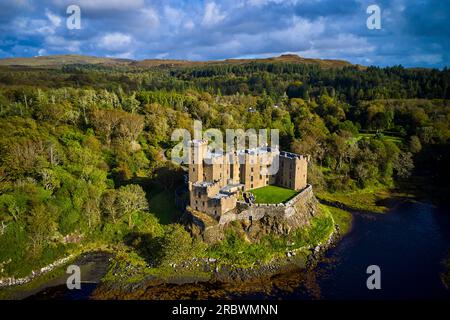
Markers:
{"x": 54, "y": 19}
{"x": 163, "y": 55}
{"x": 123, "y": 55}
{"x": 301, "y": 31}
{"x": 173, "y": 16}
{"x": 189, "y": 25}
{"x": 61, "y": 44}
{"x": 150, "y": 17}
{"x": 32, "y": 27}
{"x": 212, "y": 14}
{"x": 115, "y": 41}
{"x": 104, "y": 5}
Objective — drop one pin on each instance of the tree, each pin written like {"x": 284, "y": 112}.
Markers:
{"x": 109, "y": 205}
{"x": 40, "y": 227}
{"x": 403, "y": 164}
{"x": 414, "y": 144}
{"x": 131, "y": 198}
{"x": 176, "y": 245}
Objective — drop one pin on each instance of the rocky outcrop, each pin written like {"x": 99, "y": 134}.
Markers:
{"x": 256, "y": 220}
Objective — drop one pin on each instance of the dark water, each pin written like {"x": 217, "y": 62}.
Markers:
{"x": 409, "y": 245}
{"x": 93, "y": 267}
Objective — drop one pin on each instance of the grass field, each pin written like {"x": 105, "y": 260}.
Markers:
{"x": 371, "y": 199}
{"x": 394, "y": 139}
{"x": 273, "y": 194}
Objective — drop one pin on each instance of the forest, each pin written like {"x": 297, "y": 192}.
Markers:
{"x": 84, "y": 149}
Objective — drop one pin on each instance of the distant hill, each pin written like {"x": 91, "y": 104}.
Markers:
{"x": 293, "y": 58}
{"x": 61, "y": 60}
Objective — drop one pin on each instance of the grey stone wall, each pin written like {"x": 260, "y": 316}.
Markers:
{"x": 257, "y": 211}
{"x": 257, "y": 220}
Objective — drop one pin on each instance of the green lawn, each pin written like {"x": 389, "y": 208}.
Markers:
{"x": 272, "y": 194}
{"x": 386, "y": 137}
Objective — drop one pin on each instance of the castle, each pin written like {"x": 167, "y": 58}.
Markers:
{"x": 216, "y": 180}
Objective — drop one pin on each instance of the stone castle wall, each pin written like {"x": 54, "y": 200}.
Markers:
{"x": 257, "y": 220}
{"x": 257, "y": 211}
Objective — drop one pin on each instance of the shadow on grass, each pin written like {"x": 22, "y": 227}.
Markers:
{"x": 160, "y": 191}
{"x": 146, "y": 246}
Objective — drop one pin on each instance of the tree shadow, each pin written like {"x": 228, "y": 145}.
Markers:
{"x": 146, "y": 245}
{"x": 161, "y": 192}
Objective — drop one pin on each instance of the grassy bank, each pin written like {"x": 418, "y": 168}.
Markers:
{"x": 373, "y": 199}
{"x": 235, "y": 252}
{"x": 341, "y": 217}
{"x": 35, "y": 285}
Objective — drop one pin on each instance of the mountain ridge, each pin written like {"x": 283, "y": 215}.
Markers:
{"x": 69, "y": 59}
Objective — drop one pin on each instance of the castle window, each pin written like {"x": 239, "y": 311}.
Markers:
{"x": 251, "y": 186}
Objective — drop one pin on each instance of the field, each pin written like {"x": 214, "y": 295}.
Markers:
{"x": 367, "y": 200}
{"x": 273, "y": 194}
{"x": 394, "y": 139}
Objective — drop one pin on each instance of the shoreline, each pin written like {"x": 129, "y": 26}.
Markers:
{"x": 226, "y": 281}
{"x": 226, "y": 275}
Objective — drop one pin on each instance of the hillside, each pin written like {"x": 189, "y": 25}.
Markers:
{"x": 61, "y": 60}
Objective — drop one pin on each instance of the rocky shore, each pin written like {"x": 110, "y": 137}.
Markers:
{"x": 218, "y": 281}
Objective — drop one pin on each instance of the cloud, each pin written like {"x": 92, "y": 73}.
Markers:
{"x": 61, "y": 44}
{"x": 103, "y": 5}
{"x": 412, "y": 34}
{"x": 212, "y": 14}
{"x": 54, "y": 19}
{"x": 115, "y": 41}
{"x": 150, "y": 17}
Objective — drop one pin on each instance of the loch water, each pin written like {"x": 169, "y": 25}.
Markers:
{"x": 409, "y": 244}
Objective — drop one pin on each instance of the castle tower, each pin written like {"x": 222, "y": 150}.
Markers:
{"x": 197, "y": 152}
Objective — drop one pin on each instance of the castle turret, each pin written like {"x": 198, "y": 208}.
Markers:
{"x": 197, "y": 152}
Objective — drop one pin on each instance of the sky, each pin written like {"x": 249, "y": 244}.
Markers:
{"x": 412, "y": 33}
